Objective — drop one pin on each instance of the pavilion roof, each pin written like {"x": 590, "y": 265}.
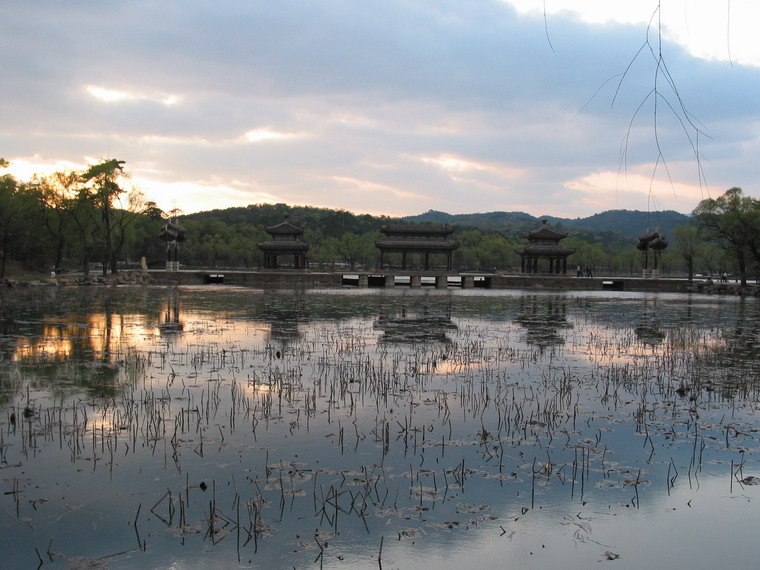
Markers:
{"x": 545, "y": 232}
{"x": 545, "y": 250}
{"x": 284, "y": 228}
{"x": 416, "y": 245}
{"x": 284, "y": 246}
{"x": 172, "y": 231}
{"x": 417, "y": 229}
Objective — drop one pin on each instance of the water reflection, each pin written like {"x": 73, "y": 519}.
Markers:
{"x": 425, "y": 324}
{"x": 743, "y": 341}
{"x": 261, "y": 428}
{"x": 648, "y": 329}
{"x": 172, "y": 324}
{"x": 284, "y": 316}
{"x": 543, "y": 319}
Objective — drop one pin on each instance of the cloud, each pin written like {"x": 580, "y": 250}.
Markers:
{"x": 193, "y": 196}
{"x": 389, "y": 107}
{"x": 115, "y": 96}
{"x": 633, "y": 188}
{"x": 31, "y": 167}
{"x": 707, "y": 29}
{"x": 267, "y": 134}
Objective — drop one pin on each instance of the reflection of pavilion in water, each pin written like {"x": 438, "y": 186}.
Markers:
{"x": 284, "y": 321}
{"x": 648, "y": 331}
{"x": 542, "y": 318}
{"x": 171, "y": 322}
{"x": 406, "y": 327}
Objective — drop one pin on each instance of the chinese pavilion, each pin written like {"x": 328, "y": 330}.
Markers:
{"x": 286, "y": 241}
{"x": 543, "y": 244}
{"x": 426, "y": 240}
{"x": 655, "y": 243}
{"x": 173, "y": 234}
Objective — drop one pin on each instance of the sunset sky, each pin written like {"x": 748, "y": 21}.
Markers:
{"x": 390, "y": 107}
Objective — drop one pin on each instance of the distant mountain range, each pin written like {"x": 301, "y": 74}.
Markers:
{"x": 623, "y": 226}
{"x": 626, "y": 224}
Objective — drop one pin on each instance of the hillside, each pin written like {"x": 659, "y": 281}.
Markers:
{"x": 617, "y": 225}
{"x": 625, "y": 224}
{"x": 632, "y": 223}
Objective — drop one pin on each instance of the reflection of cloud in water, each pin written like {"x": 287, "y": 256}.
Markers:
{"x": 684, "y": 529}
{"x": 255, "y": 387}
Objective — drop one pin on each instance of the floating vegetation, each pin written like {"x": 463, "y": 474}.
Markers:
{"x": 196, "y": 426}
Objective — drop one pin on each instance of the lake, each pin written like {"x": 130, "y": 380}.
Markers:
{"x": 217, "y": 426}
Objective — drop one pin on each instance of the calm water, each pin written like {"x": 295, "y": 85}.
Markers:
{"x": 226, "y": 427}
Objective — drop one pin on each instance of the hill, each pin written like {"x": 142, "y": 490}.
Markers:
{"x": 626, "y": 225}
{"x": 617, "y": 225}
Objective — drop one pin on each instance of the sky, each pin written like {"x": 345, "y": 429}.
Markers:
{"x": 390, "y": 107}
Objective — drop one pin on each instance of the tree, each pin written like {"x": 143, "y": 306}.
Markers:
{"x": 590, "y": 256}
{"x": 627, "y": 261}
{"x": 83, "y": 216}
{"x": 466, "y": 255}
{"x": 716, "y": 259}
{"x": 18, "y": 214}
{"x": 8, "y": 188}
{"x": 496, "y": 251}
{"x": 143, "y": 234}
{"x": 734, "y": 221}
{"x": 57, "y": 194}
{"x": 349, "y": 248}
{"x": 124, "y": 218}
{"x": 687, "y": 245}
{"x": 103, "y": 190}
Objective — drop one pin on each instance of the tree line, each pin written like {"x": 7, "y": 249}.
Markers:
{"x": 72, "y": 220}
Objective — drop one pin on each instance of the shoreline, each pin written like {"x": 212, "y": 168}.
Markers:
{"x": 388, "y": 278}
